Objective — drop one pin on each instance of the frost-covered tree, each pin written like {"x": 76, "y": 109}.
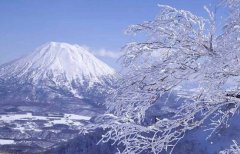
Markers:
{"x": 182, "y": 54}
{"x": 234, "y": 149}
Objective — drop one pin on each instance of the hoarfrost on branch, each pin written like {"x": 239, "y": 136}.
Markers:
{"x": 183, "y": 54}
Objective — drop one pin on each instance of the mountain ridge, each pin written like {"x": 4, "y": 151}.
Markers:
{"x": 55, "y": 70}
{"x": 73, "y": 61}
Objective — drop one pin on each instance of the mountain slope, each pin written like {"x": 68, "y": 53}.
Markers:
{"x": 54, "y": 71}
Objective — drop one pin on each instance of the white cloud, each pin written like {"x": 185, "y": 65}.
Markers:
{"x": 107, "y": 53}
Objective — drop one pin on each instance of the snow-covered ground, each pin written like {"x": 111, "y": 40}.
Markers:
{"x": 29, "y": 124}
{"x": 29, "y": 116}
{"x": 5, "y": 142}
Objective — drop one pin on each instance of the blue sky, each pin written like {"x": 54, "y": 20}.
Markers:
{"x": 98, "y": 24}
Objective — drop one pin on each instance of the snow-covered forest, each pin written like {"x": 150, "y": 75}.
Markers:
{"x": 184, "y": 56}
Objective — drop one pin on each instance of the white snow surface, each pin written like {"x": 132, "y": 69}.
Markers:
{"x": 60, "y": 60}
{"x": 68, "y": 119}
{"x": 5, "y": 142}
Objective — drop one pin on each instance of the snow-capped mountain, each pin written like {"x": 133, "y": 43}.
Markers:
{"x": 54, "y": 70}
